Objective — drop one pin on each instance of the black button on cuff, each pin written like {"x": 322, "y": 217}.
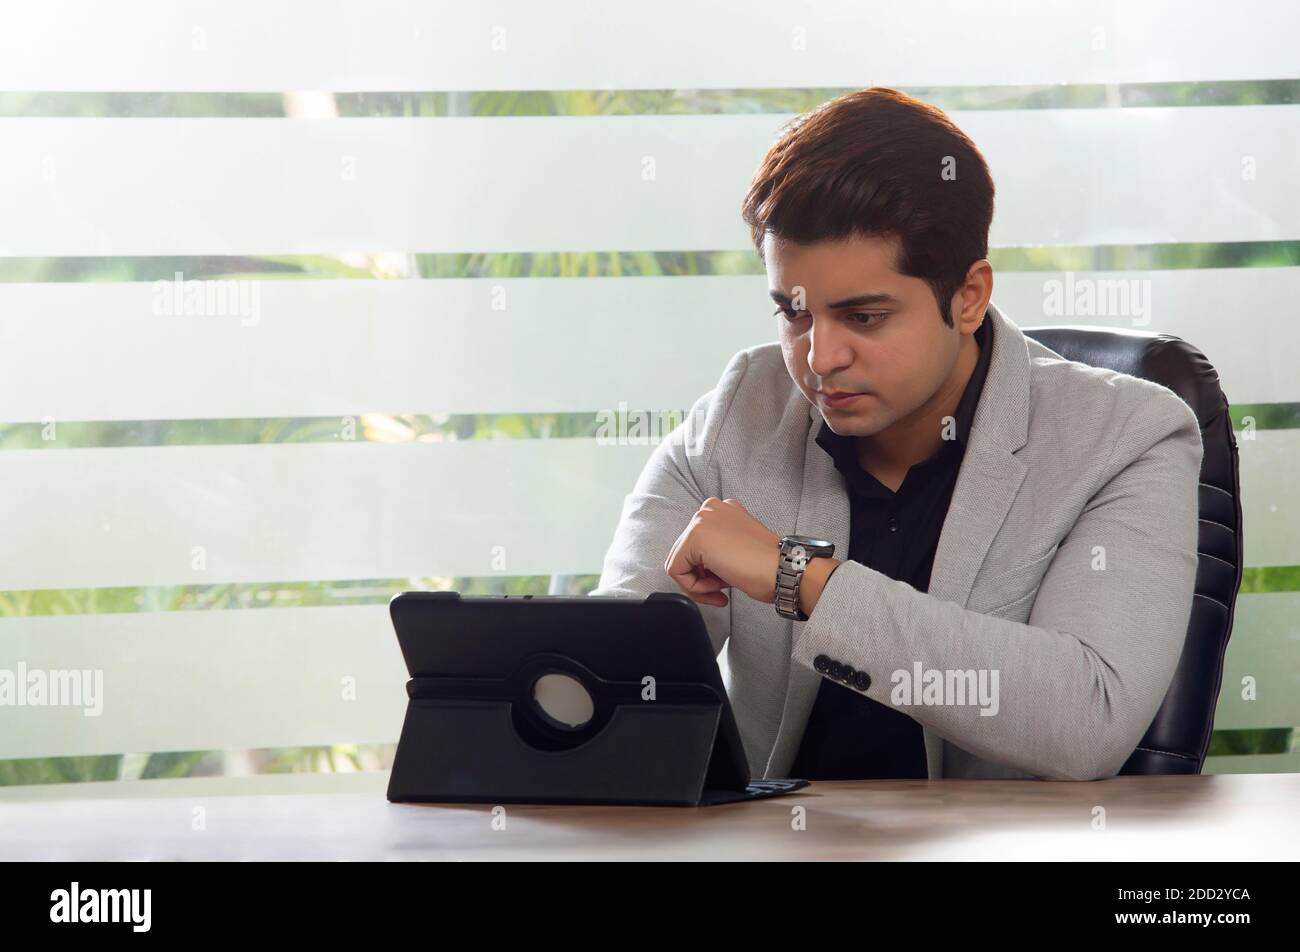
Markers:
{"x": 821, "y": 664}
{"x": 861, "y": 680}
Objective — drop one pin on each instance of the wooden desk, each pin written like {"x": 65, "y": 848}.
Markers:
{"x": 346, "y": 817}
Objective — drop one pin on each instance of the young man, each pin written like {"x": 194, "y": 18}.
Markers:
{"x": 1014, "y": 535}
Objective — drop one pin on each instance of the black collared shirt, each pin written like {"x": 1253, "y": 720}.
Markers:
{"x": 849, "y": 736}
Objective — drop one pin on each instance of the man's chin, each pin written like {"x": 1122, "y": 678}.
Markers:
{"x": 851, "y": 424}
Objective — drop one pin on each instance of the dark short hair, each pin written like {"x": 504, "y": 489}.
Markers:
{"x": 870, "y": 164}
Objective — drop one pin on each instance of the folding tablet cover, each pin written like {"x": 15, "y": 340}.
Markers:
{"x": 661, "y": 729}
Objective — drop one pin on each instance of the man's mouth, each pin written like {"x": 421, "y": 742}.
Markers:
{"x": 838, "y": 398}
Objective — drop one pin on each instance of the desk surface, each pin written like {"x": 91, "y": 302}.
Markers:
{"x": 346, "y": 817}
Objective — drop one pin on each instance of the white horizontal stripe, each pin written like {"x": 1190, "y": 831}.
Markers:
{"x": 1265, "y": 646}
{"x": 283, "y": 512}
{"x": 368, "y": 781}
{"x": 573, "y": 44}
{"x": 319, "y": 348}
{"x": 1224, "y": 312}
{"x": 275, "y": 677}
{"x": 263, "y": 186}
{"x": 109, "y": 517}
{"x": 210, "y": 680}
{"x": 1271, "y": 508}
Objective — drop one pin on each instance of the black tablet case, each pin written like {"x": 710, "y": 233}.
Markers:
{"x": 473, "y": 732}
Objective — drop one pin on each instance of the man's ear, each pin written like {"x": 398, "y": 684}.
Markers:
{"x": 972, "y": 298}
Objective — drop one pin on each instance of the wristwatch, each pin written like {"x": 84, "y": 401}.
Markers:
{"x": 796, "y": 550}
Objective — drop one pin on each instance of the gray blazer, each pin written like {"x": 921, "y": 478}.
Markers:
{"x": 1066, "y": 564}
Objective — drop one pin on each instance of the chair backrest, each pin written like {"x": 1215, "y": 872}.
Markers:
{"x": 1178, "y": 738}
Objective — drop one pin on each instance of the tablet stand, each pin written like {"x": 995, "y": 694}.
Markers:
{"x": 482, "y": 740}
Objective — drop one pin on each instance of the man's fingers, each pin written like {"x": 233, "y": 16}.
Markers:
{"x": 702, "y": 580}
{"x": 696, "y": 581}
{"x": 706, "y": 591}
{"x": 694, "y": 578}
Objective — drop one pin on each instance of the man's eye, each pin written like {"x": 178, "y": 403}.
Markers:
{"x": 863, "y": 319}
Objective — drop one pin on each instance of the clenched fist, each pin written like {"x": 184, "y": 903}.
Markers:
{"x": 722, "y": 547}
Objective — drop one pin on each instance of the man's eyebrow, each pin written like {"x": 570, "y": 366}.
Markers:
{"x": 865, "y": 300}
{"x": 858, "y": 300}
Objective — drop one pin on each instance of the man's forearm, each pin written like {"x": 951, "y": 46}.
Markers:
{"x": 1077, "y": 687}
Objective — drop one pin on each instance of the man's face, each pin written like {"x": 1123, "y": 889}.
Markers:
{"x": 893, "y": 347}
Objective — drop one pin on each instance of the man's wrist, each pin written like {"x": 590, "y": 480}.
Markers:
{"x": 815, "y": 576}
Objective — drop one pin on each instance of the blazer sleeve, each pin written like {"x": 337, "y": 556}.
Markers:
{"x": 678, "y": 477}
{"x": 1080, "y": 682}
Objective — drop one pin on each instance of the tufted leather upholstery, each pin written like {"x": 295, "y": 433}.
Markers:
{"x": 1177, "y": 739}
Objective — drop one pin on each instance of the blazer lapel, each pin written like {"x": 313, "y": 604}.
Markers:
{"x": 991, "y": 473}
{"x": 987, "y": 484}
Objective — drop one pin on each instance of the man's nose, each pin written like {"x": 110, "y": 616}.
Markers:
{"x": 828, "y": 351}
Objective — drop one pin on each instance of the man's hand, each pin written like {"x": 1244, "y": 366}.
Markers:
{"x": 724, "y": 547}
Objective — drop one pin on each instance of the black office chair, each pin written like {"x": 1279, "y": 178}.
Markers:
{"x": 1178, "y": 738}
